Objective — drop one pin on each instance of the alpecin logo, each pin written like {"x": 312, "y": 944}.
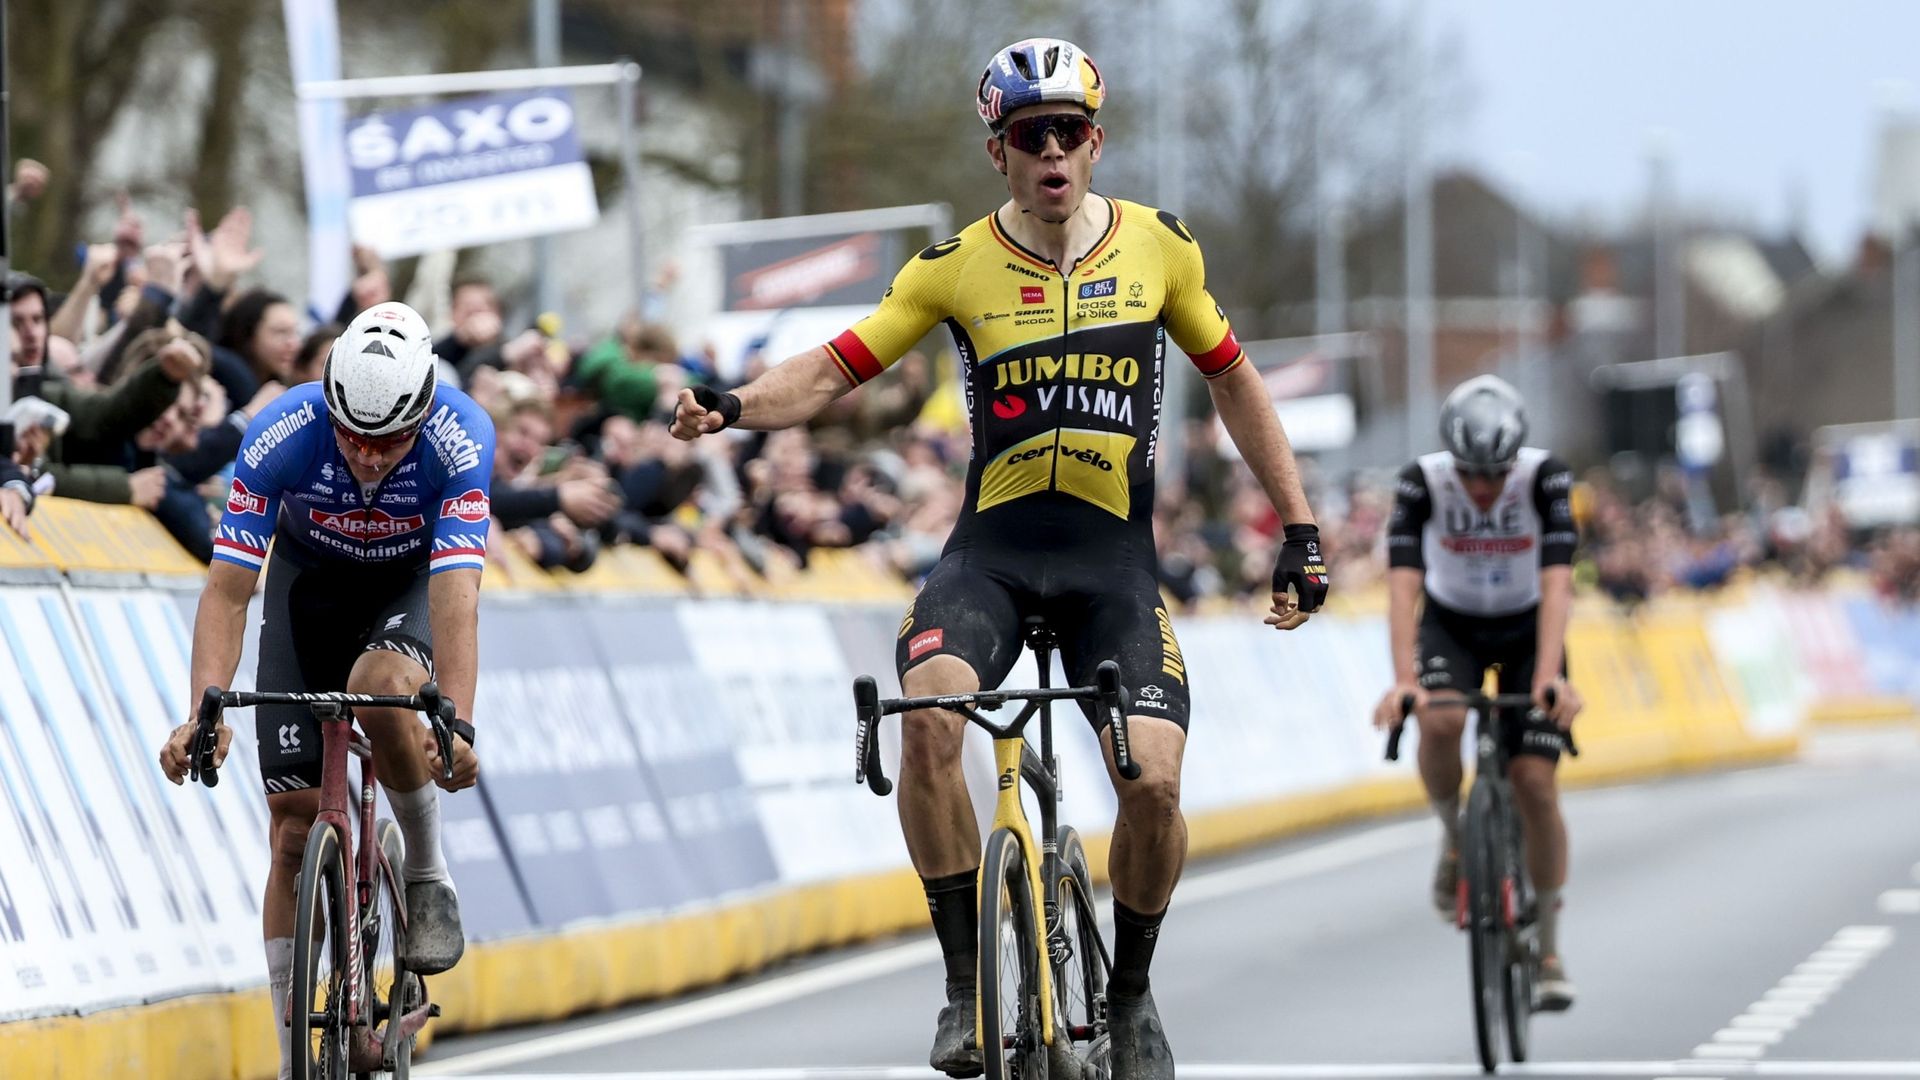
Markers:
{"x": 472, "y": 506}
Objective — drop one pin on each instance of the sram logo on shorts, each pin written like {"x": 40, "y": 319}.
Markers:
{"x": 374, "y": 524}
{"x": 242, "y": 501}
{"x": 925, "y": 643}
{"x": 472, "y": 506}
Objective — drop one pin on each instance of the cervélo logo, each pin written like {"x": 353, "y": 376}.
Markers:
{"x": 242, "y": 501}
{"x": 471, "y": 506}
{"x": 374, "y": 524}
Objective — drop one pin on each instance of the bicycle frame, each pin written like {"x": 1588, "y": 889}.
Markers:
{"x": 338, "y": 739}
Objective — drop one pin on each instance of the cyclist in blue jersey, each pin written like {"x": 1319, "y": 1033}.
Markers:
{"x": 375, "y": 481}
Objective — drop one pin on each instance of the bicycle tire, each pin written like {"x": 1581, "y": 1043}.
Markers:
{"x": 319, "y": 957}
{"x": 392, "y": 991}
{"x": 1517, "y": 986}
{"x": 1009, "y": 976}
{"x": 1079, "y": 962}
{"x": 1486, "y": 938}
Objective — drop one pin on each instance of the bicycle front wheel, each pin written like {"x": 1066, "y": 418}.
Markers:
{"x": 317, "y": 1001}
{"x": 1079, "y": 960}
{"x": 1480, "y": 860}
{"x": 1009, "y": 977}
{"x": 1522, "y": 943}
{"x": 393, "y": 990}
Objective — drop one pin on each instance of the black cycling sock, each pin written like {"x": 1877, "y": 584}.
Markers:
{"x": 954, "y": 902}
{"x": 1134, "y": 936}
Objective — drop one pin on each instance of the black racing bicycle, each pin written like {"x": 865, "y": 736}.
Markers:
{"x": 1042, "y": 985}
{"x": 354, "y": 1007}
{"x": 1496, "y": 904}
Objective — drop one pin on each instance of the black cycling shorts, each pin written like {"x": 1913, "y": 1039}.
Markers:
{"x": 1456, "y": 650}
{"x": 316, "y": 623}
{"x": 974, "y": 601}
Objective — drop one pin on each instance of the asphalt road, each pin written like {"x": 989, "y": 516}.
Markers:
{"x": 1763, "y": 922}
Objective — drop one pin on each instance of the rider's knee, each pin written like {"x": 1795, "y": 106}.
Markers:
{"x": 1442, "y": 722}
{"x": 387, "y": 673}
{"x": 1155, "y": 794}
{"x": 930, "y": 739}
{"x": 1533, "y": 786}
{"x": 291, "y": 819}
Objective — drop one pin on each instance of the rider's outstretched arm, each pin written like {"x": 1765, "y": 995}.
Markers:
{"x": 1247, "y": 410}
{"x": 792, "y": 392}
{"x": 453, "y": 612}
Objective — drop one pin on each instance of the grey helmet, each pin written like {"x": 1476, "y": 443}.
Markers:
{"x": 1483, "y": 422}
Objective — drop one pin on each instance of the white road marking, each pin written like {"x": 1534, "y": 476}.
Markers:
{"x": 1651, "y": 1070}
{"x": 1768, "y": 1020}
{"x": 1265, "y": 873}
{"x": 1727, "y": 1050}
{"x": 1900, "y": 902}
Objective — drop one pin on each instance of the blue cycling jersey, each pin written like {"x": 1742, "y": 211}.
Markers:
{"x": 293, "y": 480}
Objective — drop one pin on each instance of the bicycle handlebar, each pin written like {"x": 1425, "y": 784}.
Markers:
{"x": 1107, "y": 692}
{"x": 439, "y": 710}
{"x": 1476, "y": 700}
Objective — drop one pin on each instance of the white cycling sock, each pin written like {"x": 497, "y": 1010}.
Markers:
{"x": 417, "y": 813}
{"x": 279, "y": 986}
{"x": 1448, "y": 811}
{"x": 1549, "y": 921}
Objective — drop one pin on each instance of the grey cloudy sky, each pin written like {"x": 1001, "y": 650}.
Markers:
{"x": 1762, "y": 98}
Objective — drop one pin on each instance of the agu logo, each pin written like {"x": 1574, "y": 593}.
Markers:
{"x": 1010, "y": 407}
{"x": 242, "y": 501}
{"x": 1032, "y": 294}
{"x": 473, "y": 506}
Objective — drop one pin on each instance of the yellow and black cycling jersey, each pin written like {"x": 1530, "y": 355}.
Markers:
{"x": 1063, "y": 372}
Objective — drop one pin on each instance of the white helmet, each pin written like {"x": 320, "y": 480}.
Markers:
{"x": 380, "y": 374}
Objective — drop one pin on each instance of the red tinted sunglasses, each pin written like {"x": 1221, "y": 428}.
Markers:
{"x": 376, "y": 444}
{"x": 1029, "y": 133}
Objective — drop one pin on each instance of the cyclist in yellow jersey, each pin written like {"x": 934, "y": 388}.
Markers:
{"x": 1060, "y": 303}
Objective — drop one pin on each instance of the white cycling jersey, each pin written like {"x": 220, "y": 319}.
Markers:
{"x": 1483, "y": 563}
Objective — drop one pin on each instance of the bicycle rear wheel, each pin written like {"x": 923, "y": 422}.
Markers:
{"x": 1079, "y": 962}
{"x": 1009, "y": 979}
{"x": 392, "y": 990}
{"x": 1480, "y": 859}
{"x": 1522, "y": 944}
{"x": 318, "y": 998}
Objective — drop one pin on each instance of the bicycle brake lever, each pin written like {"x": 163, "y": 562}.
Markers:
{"x": 443, "y": 734}
{"x": 1112, "y": 697}
{"x": 206, "y": 739}
{"x": 866, "y": 744}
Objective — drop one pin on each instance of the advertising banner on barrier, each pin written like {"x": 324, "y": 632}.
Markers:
{"x": 119, "y": 929}
{"x": 581, "y": 821}
{"x": 782, "y": 688}
{"x": 684, "y": 749}
{"x": 1889, "y": 638}
{"x": 216, "y": 838}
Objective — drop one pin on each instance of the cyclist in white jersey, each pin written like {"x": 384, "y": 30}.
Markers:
{"x": 1483, "y": 532}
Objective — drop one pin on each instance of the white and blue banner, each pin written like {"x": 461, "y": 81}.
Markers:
{"x": 467, "y": 172}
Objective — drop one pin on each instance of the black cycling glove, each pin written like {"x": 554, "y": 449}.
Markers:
{"x": 1302, "y": 566}
{"x": 727, "y": 405}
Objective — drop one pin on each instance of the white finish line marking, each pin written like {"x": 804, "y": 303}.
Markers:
{"x": 1900, "y": 902}
{"x": 1768, "y": 1020}
{"x": 1651, "y": 1070}
{"x": 1303, "y": 862}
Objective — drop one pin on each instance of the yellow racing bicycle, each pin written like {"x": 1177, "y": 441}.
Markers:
{"x": 1042, "y": 986}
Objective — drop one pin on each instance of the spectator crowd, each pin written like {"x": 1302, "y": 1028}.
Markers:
{"x": 134, "y": 380}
